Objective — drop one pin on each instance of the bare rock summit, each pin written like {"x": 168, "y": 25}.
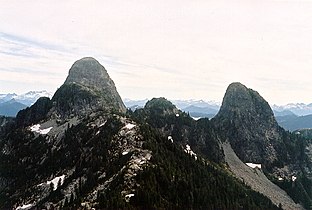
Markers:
{"x": 88, "y": 87}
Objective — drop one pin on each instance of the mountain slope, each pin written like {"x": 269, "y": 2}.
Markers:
{"x": 257, "y": 180}
{"x": 247, "y": 119}
{"x": 180, "y": 128}
{"x": 247, "y": 122}
{"x": 84, "y": 151}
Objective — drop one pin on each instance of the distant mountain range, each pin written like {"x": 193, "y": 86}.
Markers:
{"x": 11, "y": 103}
{"x": 294, "y": 122}
{"x": 291, "y": 116}
{"x": 294, "y": 116}
{"x": 28, "y": 98}
{"x": 299, "y": 109}
{"x": 196, "y": 108}
{"x": 11, "y": 107}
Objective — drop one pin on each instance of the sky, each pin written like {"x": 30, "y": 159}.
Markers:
{"x": 178, "y": 49}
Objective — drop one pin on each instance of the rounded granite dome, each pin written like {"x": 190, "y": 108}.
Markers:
{"x": 87, "y": 87}
{"x": 90, "y": 73}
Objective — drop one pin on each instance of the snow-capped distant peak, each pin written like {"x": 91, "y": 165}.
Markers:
{"x": 296, "y": 108}
{"x": 7, "y": 97}
{"x": 28, "y": 98}
{"x": 34, "y": 95}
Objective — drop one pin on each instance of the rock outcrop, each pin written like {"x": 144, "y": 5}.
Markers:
{"x": 247, "y": 121}
{"x": 87, "y": 88}
{"x": 35, "y": 113}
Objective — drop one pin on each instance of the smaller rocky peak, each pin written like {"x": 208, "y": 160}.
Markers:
{"x": 161, "y": 106}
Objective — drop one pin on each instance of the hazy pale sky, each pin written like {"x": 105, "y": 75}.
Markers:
{"x": 179, "y": 49}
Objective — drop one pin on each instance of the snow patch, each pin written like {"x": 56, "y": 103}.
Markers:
{"x": 24, "y": 207}
{"x": 280, "y": 179}
{"x": 254, "y": 165}
{"x": 127, "y": 197}
{"x": 55, "y": 181}
{"x": 36, "y": 128}
{"x": 97, "y": 133}
{"x": 170, "y": 139}
{"x": 130, "y": 126}
{"x": 45, "y": 131}
{"x": 293, "y": 178}
{"x": 125, "y": 152}
{"x": 101, "y": 125}
{"x": 189, "y": 151}
{"x": 177, "y": 115}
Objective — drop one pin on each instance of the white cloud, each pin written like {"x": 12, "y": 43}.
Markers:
{"x": 176, "y": 49}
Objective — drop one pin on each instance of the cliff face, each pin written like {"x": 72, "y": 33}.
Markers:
{"x": 246, "y": 104}
{"x": 247, "y": 124}
{"x": 87, "y": 88}
{"x": 246, "y": 120}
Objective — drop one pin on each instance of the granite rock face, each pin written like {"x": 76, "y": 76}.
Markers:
{"x": 87, "y": 88}
{"x": 89, "y": 73}
{"x": 240, "y": 101}
{"x": 247, "y": 122}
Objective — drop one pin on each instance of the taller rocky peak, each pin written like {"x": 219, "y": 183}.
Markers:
{"x": 89, "y": 73}
{"x": 88, "y": 87}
